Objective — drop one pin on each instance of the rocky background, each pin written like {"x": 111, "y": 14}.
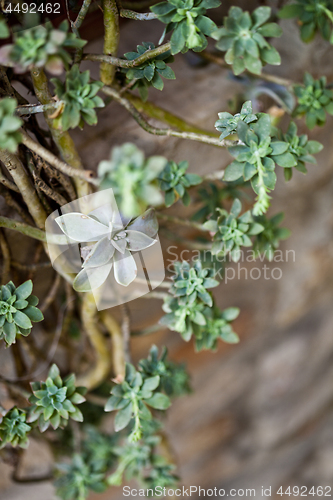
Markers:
{"x": 261, "y": 412}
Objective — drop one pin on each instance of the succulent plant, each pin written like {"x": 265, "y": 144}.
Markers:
{"x": 212, "y": 197}
{"x": 314, "y": 100}
{"x": 76, "y": 479}
{"x": 313, "y": 16}
{"x": 150, "y": 72}
{"x": 217, "y": 327}
{"x": 174, "y": 181}
{"x": 227, "y": 123}
{"x": 132, "y": 178}
{"x": 134, "y": 459}
{"x": 4, "y": 31}
{"x": 87, "y": 471}
{"x": 17, "y": 311}
{"x": 269, "y": 239}
{"x": 232, "y": 231}
{"x": 161, "y": 475}
{"x": 54, "y": 401}
{"x": 183, "y": 317}
{"x": 300, "y": 147}
{"x": 206, "y": 324}
{"x": 9, "y": 125}
{"x": 79, "y": 99}
{"x": 174, "y": 380}
{"x": 130, "y": 398}
{"x": 256, "y": 158}
{"x": 242, "y": 36}
{"x": 114, "y": 244}
{"x": 40, "y": 46}
{"x": 187, "y": 20}
{"x": 188, "y": 298}
{"x": 14, "y": 429}
{"x": 97, "y": 449}
{"x": 192, "y": 282}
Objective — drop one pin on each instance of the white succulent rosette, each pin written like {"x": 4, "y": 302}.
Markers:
{"x": 109, "y": 243}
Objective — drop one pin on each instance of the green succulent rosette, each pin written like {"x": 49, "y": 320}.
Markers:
{"x": 150, "y": 73}
{"x": 227, "y": 123}
{"x": 41, "y": 46}
{"x": 232, "y": 231}
{"x": 299, "y": 147}
{"x": 269, "y": 239}
{"x": 314, "y": 100}
{"x": 189, "y": 297}
{"x": 10, "y": 124}
{"x": 76, "y": 479}
{"x": 218, "y": 327}
{"x": 243, "y": 38}
{"x": 17, "y": 311}
{"x": 79, "y": 99}
{"x": 14, "y": 429}
{"x": 187, "y": 21}
{"x": 314, "y": 16}
{"x": 131, "y": 399}
{"x": 133, "y": 178}
{"x": 174, "y": 380}
{"x": 4, "y": 30}
{"x": 54, "y": 401}
{"x": 174, "y": 181}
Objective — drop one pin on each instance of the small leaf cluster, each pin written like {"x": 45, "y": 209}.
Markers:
{"x": 41, "y": 46}
{"x": 218, "y": 327}
{"x": 212, "y": 196}
{"x": 79, "y": 99}
{"x": 193, "y": 282}
{"x": 98, "y": 448}
{"x": 133, "y": 459}
{"x": 188, "y": 21}
{"x": 183, "y": 317}
{"x": 90, "y": 470}
{"x": 14, "y": 429}
{"x": 151, "y": 72}
{"x": 256, "y": 157}
{"x": 232, "y": 231}
{"x": 313, "y": 16}
{"x": 131, "y": 397}
{"x": 9, "y": 125}
{"x": 4, "y": 31}
{"x": 87, "y": 471}
{"x": 175, "y": 181}
{"x": 174, "y": 379}
{"x": 262, "y": 147}
{"x": 188, "y": 298}
{"x": 314, "y": 100}
{"x": 213, "y": 326}
{"x": 77, "y": 479}
{"x": 140, "y": 461}
{"x": 133, "y": 178}
{"x": 227, "y": 123}
{"x": 160, "y": 475}
{"x": 242, "y": 36}
{"x": 54, "y": 401}
{"x": 269, "y": 239}
{"x": 299, "y": 147}
{"x": 17, "y": 311}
